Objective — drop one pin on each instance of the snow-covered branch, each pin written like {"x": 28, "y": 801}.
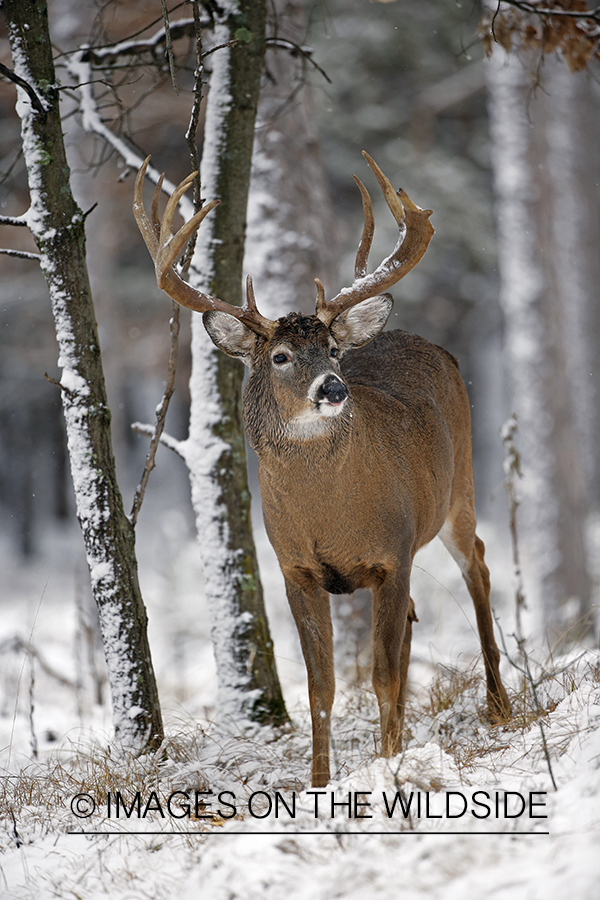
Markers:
{"x": 166, "y": 440}
{"x": 550, "y": 10}
{"x": 21, "y": 254}
{"x": 92, "y": 123}
{"x": 153, "y": 46}
{"x": 17, "y": 221}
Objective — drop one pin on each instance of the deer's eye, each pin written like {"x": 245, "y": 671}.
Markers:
{"x": 335, "y": 352}
{"x": 280, "y": 358}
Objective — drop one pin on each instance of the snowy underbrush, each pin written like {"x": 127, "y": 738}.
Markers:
{"x": 221, "y": 776}
{"x": 466, "y": 810}
{"x": 228, "y": 810}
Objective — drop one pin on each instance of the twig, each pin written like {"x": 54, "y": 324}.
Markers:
{"x": 222, "y": 46}
{"x": 512, "y": 471}
{"x": 169, "y": 46}
{"x": 14, "y": 719}
{"x": 16, "y": 835}
{"x": 297, "y": 50}
{"x": 165, "y": 439}
{"x": 129, "y": 47}
{"x": 161, "y": 415}
{"x": 17, "y": 644}
{"x": 21, "y": 254}
{"x": 526, "y": 672}
{"x": 58, "y": 384}
{"x": 32, "y": 734}
{"x": 192, "y": 132}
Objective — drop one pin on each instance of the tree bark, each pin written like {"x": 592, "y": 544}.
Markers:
{"x": 291, "y": 228}
{"x": 248, "y": 685}
{"x": 58, "y": 227}
{"x": 534, "y": 224}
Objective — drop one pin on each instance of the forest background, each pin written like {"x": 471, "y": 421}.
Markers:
{"x": 504, "y": 151}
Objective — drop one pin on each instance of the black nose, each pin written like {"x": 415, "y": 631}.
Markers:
{"x": 333, "y": 390}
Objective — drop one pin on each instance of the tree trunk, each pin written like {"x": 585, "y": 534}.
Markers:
{"x": 248, "y": 686}
{"x": 534, "y": 221}
{"x": 291, "y": 230}
{"x": 57, "y": 226}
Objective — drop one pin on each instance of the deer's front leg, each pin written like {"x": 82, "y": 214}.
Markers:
{"x": 312, "y": 614}
{"x": 390, "y": 657}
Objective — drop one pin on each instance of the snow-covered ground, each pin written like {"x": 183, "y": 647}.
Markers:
{"x": 484, "y": 820}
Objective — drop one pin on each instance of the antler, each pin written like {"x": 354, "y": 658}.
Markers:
{"x": 164, "y": 248}
{"x": 415, "y": 232}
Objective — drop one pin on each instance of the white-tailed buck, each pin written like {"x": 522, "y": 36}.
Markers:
{"x": 364, "y": 447}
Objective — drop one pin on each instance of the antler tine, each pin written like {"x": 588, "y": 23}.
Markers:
{"x": 364, "y": 247}
{"x": 166, "y": 224}
{"x": 390, "y": 195}
{"x": 171, "y": 244}
{"x": 415, "y": 233}
{"x": 250, "y": 313}
{"x": 148, "y": 232}
{"x": 164, "y": 248}
{"x": 250, "y": 298}
{"x": 321, "y": 301}
{"x": 154, "y": 217}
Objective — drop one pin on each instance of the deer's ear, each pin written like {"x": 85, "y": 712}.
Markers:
{"x": 361, "y": 323}
{"x": 230, "y": 335}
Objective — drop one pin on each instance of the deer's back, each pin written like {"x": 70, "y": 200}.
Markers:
{"x": 407, "y": 367}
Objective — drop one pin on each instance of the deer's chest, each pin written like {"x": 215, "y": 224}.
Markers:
{"x": 330, "y": 533}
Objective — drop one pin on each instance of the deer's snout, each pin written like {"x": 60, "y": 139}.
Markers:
{"x": 332, "y": 389}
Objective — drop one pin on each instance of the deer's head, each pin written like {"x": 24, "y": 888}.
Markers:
{"x": 295, "y": 360}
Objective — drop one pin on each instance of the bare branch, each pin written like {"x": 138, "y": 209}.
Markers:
{"x": 192, "y": 132}
{"x": 16, "y": 644}
{"x": 161, "y": 415}
{"x": 591, "y": 14}
{"x": 526, "y": 672}
{"x": 169, "y": 45}
{"x": 297, "y": 50}
{"x": 512, "y": 472}
{"x": 80, "y": 69}
{"x": 233, "y": 43}
{"x": 58, "y": 384}
{"x": 153, "y": 46}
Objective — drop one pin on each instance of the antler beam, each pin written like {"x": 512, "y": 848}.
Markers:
{"x": 164, "y": 248}
{"x": 415, "y": 232}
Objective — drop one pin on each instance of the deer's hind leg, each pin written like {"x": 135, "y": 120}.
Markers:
{"x": 404, "y": 661}
{"x": 391, "y": 651}
{"x": 459, "y": 537}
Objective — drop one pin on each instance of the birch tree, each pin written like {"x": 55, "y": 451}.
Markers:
{"x": 541, "y": 235}
{"x": 248, "y": 686}
{"x": 58, "y": 228}
{"x": 291, "y": 235}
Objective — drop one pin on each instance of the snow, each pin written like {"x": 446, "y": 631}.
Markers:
{"x": 275, "y": 836}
